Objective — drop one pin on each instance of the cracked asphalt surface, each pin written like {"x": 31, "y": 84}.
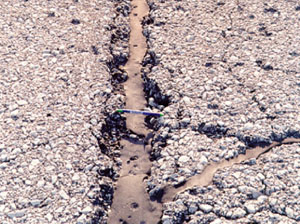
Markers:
{"x": 226, "y": 74}
{"x": 54, "y": 85}
{"x": 231, "y": 70}
{"x": 265, "y": 190}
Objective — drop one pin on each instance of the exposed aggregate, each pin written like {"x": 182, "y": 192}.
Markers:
{"x": 231, "y": 71}
{"x": 55, "y": 92}
{"x": 263, "y": 190}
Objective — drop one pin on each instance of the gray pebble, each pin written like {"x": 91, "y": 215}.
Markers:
{"x": 185, "y": 121}
{"x": 16, "y": 214}
{"x": 35, "y": 203}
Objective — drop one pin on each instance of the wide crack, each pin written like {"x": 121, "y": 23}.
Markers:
{"x": 255, "y": 146}
{"x": 114, "y": 130}
{"x": 131, "y": 202}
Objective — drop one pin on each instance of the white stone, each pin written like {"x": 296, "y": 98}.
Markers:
{"x": 53, "y": 179}
{"x": 261, "y": 176}
{"x": 2, "y": 208}
{"x": 289, "y": 212}
{"x": 24, "y": 63}
{"x": 4, "y": 157}
{"x": 14, "y": 113}
{"x": 216, "y": 221}
{"x": 69, "y": 166}
{"x": 190, "y": 38}
{"x": 234, "y": 58}
{"x": 75, "y": 177}
{"x": 262, "y": 199}
{"x": 228, "y": 103}
{"x": 33, "y": 164}
{"x": 203, "y": 160}
{"x": 269, "y": 82}
{"x": 22, "y": 102}
{"x": 193, "y": 208}
{"x": 273, "y": 201}
{"x": 166, "y": 220}
{"x": 81, "y": 219}
{"x": 3, "y": 194}
{"x": 236, "y": 175}
{"x": 63, "y": 194}
{"x": 50, "y": 168}
{"x": 278, "y": 107}
{"x": 152, "y": 102}
{"x": 40, "y": 183}
{"x": 297, "y": 164}
{"x": 206, "y": 208}
{"x": 28, "y": 182}
{"x": 183, "y": 159}
{"x": 108, "y": 91}
{"x": 185, "y": 121}
{"x": 70, "y": 149}
{"x": 49, "y": 217}
{"x": 248, "y": 126}
{"x": 87, "y": 210}
{"x": 228, "y": 90}
{"x": 238, "y": 213}
{"x": 186, "y": 100}
{"x": 59, "y": 210}
{"x": 251, "y": 208}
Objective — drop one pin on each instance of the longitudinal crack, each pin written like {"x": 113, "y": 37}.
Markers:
{"x": 131, "y": 202}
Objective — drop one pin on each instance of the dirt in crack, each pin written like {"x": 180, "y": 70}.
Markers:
{"x": 131, "y": 202}
{"x": 206, "y": 177}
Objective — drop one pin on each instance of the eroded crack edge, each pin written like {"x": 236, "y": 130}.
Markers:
{"x": 113, "y": 128}
{"x": 110, "y": 130}
{"x": 157, "y": 99}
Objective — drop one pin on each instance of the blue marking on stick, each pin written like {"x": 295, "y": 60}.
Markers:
{"x": 146, "y": 113}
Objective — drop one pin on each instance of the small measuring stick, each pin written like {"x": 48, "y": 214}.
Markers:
{"x": 146, "y": 113}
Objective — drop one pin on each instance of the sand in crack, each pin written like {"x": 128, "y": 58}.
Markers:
{"x": 205, "y": 178}
{"x": 131, "y": 202}
{"x": 135, "y": 97}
